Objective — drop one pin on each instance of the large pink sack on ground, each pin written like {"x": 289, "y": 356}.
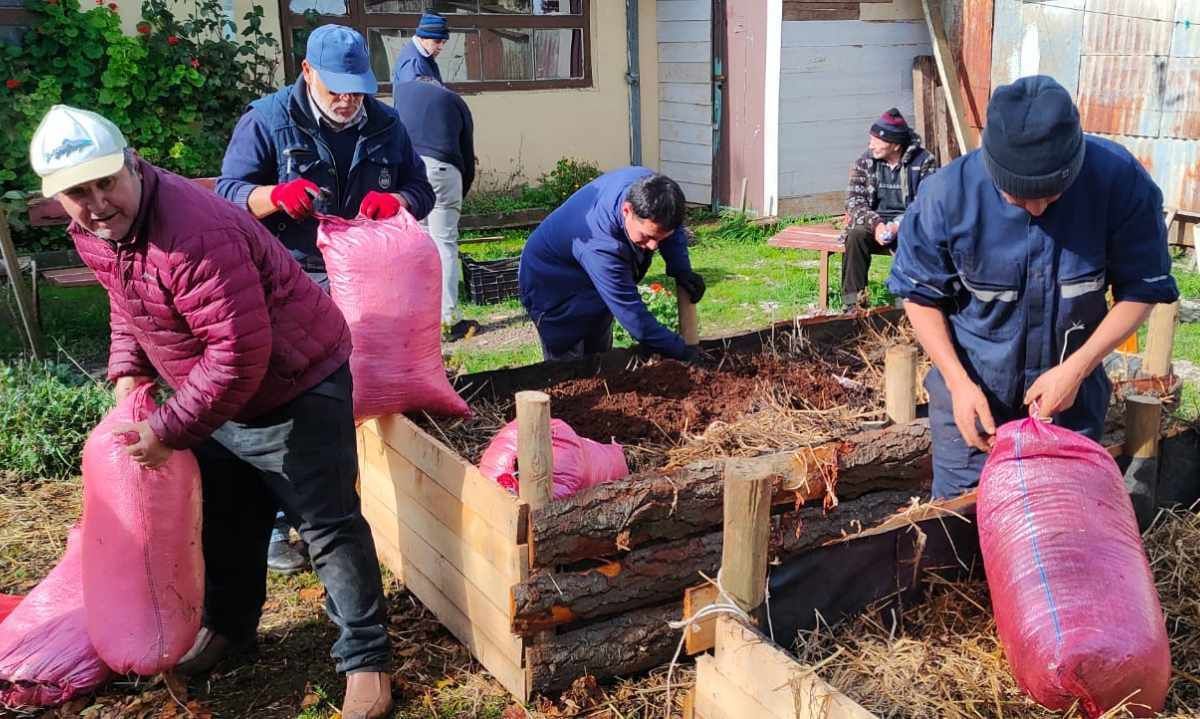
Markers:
{"x": 386, "y": 277}
{"x": 1075, "y": 603}
{"x": 579, "y": 463}
{"x": 46, "y": 656}
{"x": 143, "y": 571}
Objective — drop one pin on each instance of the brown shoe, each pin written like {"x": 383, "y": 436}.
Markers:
{"x": 368, "y": 696}
{"x": 209, "y": 650}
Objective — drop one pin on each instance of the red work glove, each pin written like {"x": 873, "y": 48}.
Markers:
{"x": 295, "y": 197}
{"x": 379, "y": 205}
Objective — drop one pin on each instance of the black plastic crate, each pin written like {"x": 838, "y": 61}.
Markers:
{"x": 490, "y": 281}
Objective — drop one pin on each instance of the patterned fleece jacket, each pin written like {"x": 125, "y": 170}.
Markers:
{"x": 862, "y": 196}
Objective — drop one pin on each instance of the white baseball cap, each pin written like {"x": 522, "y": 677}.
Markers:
{"x": 73, "y": 146}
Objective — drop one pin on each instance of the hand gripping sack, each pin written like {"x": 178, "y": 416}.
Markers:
{"x": 143, "y": 571}
{"x": 579, "y": 463}
{"x": 1074, "y": 598}
{"x": 46, "y": 656}
{"x": 386, "y": 277}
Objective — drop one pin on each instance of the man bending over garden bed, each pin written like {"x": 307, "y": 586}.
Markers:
{"x": 204, "y": 297}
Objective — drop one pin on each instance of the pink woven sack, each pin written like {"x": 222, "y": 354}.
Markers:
{"x": 1074, "y": 598}
{"x": 386, "y": 277}
{"x": 579, "y": 463}
{"x": 143, "y": 568}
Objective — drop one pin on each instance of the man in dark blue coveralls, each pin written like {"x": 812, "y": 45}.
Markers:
{"x": 1006, "y": 257}
{"x": 581, "y": 266}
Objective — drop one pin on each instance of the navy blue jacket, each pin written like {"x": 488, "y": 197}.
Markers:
{"x": 278, "y": 140}
{"x": 578, "y": 268}
{"x": 1020, "y": 292}
{"x": 439, "y": 123}
{"x": 411, "y": 64}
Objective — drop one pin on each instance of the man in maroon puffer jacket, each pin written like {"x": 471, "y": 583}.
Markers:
{"x": 202, "y": 296}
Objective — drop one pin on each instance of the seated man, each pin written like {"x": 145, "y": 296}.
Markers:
{"x": 883, "y": 182}
{"x": 581, "y": 266}
{"x": 203, "y": 297}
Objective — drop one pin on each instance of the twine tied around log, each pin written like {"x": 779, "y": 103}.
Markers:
{"x": 724, "y": 605}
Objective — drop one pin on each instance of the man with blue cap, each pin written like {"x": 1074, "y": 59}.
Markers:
{"x": 419, "y": 58}
{"x": 323, "y": 145}
{"x": 1006, "y": 259}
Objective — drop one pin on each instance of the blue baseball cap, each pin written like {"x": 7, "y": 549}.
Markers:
{"x": 339, "y": 55}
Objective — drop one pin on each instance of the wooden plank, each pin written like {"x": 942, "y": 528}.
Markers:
{"x": 71, "y": 277}
{"x": 684, "y": 112}
{"x": 773, "y": 679}
{"x": 498, "y": 663}
{"x": 718, "y": 698}
{"x": 461, "y": 479}
{"x": 747, "y": 530}
{"x": 398, "y": 485}
{"x": 696, "y": 73}
{"x": 686, "y": 171}
{"x": 685, "y": 52}
{"x": 25, "y": 303}
{"x": 688, "y": 132}
{"x": 418, "y": 556}
{"x": 807, "y": 10}
{"x": 684, "y": 31}
{"x": 682, "y": 152}
{"x": 966, "y": 136}
{"x": 667, "y": 10}
{"x": 701, "y": 636}
{"x": 441, "y": 542}
{"x": 941, "y": 131}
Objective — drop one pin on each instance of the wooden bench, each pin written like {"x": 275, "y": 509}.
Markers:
{"x": 1177, "y": 220}
{"x": 825, "y": 238}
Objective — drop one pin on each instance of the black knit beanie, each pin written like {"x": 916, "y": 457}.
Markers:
{"x": 892, "y": 127}
{"x": 1033, "y": 143}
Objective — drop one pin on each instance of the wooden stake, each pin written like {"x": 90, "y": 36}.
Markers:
{"x": 535, "y": 450}
{"x": 1142, "y": 415}
{"x": 745, "y": 183}
{"x": 900, "y": 383}
{"x": 689, "y": 324}
{"x": 746, "y": 534}
{"x": 25, "y": 310}
{"x": 1160, "y": 340}
{"x": 964, "y": 135}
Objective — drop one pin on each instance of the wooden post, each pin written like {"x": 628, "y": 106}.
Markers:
{"x": 964, "y": 135}
{"x": 25, "y": 311}
{"x": 689, "y": 324}
{"x": 900, "y": 383}
{"x": 1160, "y": 339}
{"x": 1142, "y": 415}
{"x": 535, "y": 450}
{"x": 747, "y": 531}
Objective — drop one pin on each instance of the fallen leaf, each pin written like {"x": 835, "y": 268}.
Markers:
{"x": 312, "y": 594}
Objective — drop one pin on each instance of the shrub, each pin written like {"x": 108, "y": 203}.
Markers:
{"x": 567, "y": 176}
{"x": 661, "y": 303}
{"x": 47, "y": 410}
{"x": 175, "y": 89}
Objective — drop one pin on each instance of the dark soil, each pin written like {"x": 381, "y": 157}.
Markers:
{"x": 661, "y": 402}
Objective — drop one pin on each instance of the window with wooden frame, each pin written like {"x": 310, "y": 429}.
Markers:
{"x": 15, "y": 21}
{"x": 493, "y": 45}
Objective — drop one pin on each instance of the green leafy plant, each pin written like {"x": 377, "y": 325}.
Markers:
{"x": 47, "y": 410}
{"x": 175, "y": 88}
{"x": 662, "y": 304}
{"x": 567, "y": 176}
{"x": 552, "y": 190}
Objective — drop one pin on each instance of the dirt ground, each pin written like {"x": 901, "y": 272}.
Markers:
{"x": 292, "y": 676}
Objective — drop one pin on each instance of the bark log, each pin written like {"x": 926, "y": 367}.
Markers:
{"x": 659, "y": 572}
{"x": 627, "y": 644}
{"x": 651, "y": 507}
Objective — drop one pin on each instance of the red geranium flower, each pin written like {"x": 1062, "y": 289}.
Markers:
{"x": 12, "y": 84}
{"x": 195, "y": 63}
{"x": 143, "y": 28}
{"x": 656, "y": 287}
{"x": 172, "y": 40}
{"x": 99, "y": 2}
{"x": 112, "y": 6}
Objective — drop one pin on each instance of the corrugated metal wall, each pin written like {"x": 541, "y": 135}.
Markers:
{"x": 685, "y": 95}
{"x": 1133, "y": 67}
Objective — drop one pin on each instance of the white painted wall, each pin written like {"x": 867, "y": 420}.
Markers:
{"x": 685, "y": 95}
{"x": 836, "y": 78}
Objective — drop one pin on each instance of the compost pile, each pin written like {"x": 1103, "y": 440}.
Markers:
{"x": 664, "y": 412}
{"x": 942, "y": 657}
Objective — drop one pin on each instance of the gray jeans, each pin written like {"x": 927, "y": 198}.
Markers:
{"x": 442, "y": 224}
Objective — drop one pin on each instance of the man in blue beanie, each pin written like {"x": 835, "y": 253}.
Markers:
{"x": 419, "y": 58}
{"x": 1006, "y": 259}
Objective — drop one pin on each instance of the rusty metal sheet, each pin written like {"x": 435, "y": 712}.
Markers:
{"x": 1174, "y": 165}
{"x": 1043, "y": 37}
{"x": 1181, "y": 99}
{"x": 1122, "y": 94}
{"x": 1128, "y": 27}
{"x": 1185, "y": 42}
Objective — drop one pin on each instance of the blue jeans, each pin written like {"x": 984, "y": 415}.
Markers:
{"x": 302, "y": 457}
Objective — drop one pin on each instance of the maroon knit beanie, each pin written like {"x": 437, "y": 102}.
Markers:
{"x": 891, "y": 127}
